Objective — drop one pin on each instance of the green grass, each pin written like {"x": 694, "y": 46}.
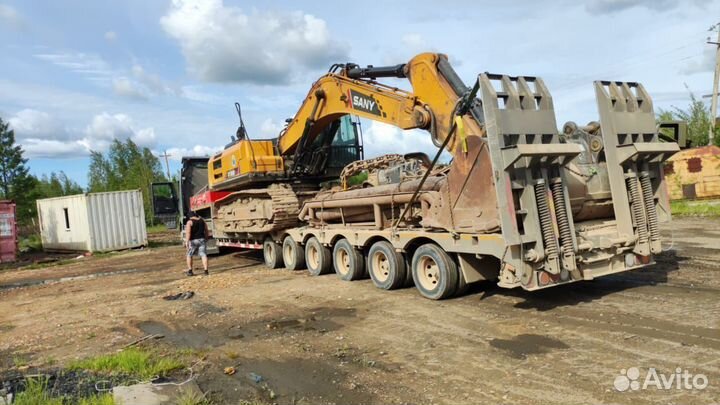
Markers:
{"x": 696, "y": 208}
{"x": 157, "y": 228}
{"x": 36, "y": 266}
{"x": 144, "y": 364}
{"x": 37, "y": 393}
{"x": 191, "y": 398}
{"x": 31, "y": 243}
{"x": 100, "y": 399}
{"x": 19, "y": 361}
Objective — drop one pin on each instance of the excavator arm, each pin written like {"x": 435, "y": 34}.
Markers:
{"x": 432, "y": 104}
{"x": 335, "y": 95}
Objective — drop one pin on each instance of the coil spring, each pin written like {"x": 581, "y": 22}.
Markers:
{"x": 637, "y": 208}
{"x": 561, "y": 216}
{"x": 652, "y": 217}
{"x": 546, "y": 225}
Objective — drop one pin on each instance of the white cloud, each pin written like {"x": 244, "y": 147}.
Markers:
{"x": 145, "y": 137}
{"x": 48, "y": 148}
{"x": 706, "y": 63}
{"x": 380, "y": 139}
{"x": 110, "y": 36}
{"x": 10, "y": 17}
{"x": 89, "y": 65}
{"x": 614, "y": 6}
{"x": 271, "y": 128}
{"x": 106, "y": 127}
{"x": 197, "y": 150}
{"x": 153, "y": 82}
{"x": 199, "y": 94}
{"x": 43, "y": 135}
{"x": 143, "y": 84}
{"x": 34, "y": 124}
{"x": 223, "y": 44}
{"x": 124, "y": 87}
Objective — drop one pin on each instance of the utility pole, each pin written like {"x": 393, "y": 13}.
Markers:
{"x": 167, "y": 164}
{"x": 713, "y": 105}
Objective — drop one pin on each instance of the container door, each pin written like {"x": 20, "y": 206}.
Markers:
{"x": 8, "y": 233}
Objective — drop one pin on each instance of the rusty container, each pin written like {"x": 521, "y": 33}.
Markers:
{"x": 8, "y": 232}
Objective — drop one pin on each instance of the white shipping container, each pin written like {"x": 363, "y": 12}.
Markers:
{"x": 93, "y": 222}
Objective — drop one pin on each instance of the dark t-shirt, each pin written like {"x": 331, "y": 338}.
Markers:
{"x": 197, "y": 229}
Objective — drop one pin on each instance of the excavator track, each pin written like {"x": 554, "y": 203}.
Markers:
{"x": 262, "y": 210}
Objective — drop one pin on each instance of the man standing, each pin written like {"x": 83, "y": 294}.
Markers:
{"x": 196, "y": 234}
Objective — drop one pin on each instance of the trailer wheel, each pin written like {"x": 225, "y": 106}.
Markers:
{"x": 317, "y": 257}
{"x": 272, "y": 254}
{"x": 293, "y": 254}
{"x": 349, "y": 263}
{"x": 434, "y": 272}
{"x": 386, "y": 266}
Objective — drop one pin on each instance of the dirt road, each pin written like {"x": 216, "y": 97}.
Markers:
{"x": 322, "y": 340}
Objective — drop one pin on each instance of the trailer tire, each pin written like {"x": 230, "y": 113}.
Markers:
{"x": 293, "y": 254}
{"x": 272, "y": 253}
{"x": 318, "y": 258}
{"x": 434, "y": 272}
{"x": 349, "y": 263}
{"x": 386, "y": 266}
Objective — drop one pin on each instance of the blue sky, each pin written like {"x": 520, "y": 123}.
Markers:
{"x": 76, "y": 74}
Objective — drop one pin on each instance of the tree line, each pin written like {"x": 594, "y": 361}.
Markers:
{"x": 125, "y": 166}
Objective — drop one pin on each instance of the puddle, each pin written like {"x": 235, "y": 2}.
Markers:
{"x": 523, "y": 345}
{"x": 193, "y": 338}
{"x": 319, "y": 319}
{"x": 292, "y": 381}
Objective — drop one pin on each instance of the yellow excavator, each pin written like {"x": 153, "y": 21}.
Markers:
{"x": 260, "y": 185}
{"x": 520, "y": 202}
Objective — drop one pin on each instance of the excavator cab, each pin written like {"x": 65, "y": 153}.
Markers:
{"x": 258, "y": 161}
{"x": 335, "y": 147}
